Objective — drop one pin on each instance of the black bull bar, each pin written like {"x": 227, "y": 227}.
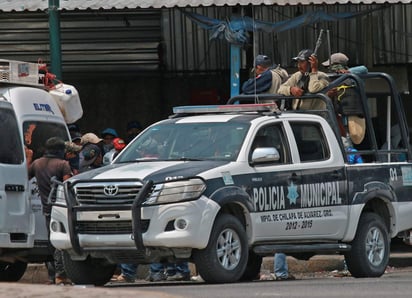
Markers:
{"x": 137, "y": 214}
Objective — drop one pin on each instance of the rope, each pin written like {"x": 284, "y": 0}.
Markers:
{"x": 342, "y": 87}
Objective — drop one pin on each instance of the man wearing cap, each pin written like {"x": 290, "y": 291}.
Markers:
{"x": 306, "y": 79}
{"x": 268, "y": 77}
{"x": 87, "y": 140}
{"x": 118, "y": 144}
{"x": 347, "y": 103}
{"x": 91, "y": 157}
{"x": 51, "y": 164}
{"x": 72, "y": 156}
{"x": 338, "y": 63}
{"x": 108, "y": 136}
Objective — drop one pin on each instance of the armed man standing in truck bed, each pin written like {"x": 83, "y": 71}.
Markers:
{"x": 306, "y": 79}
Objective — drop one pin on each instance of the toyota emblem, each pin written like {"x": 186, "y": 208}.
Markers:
{"x": 111, "y": 190}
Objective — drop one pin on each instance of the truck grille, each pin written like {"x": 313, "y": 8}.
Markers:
{"x": 109, "y": 227}
{"x": 102, "y": 193}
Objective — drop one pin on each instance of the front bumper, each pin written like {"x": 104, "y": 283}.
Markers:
{"x": 179, "y": 225}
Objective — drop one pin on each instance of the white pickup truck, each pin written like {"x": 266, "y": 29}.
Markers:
{"x": 222, "y": 186}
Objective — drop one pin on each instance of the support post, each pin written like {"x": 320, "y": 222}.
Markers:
{"x": 234, "y": 70}
{"x": 55, "y": 45}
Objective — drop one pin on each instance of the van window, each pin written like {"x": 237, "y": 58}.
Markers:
{"x": 36, "y": 134}
{"x": 11, "y": 149}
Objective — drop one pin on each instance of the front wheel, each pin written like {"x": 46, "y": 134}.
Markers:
{"x": 369, "y": 255}
{"x": 226, "y": 255}
{"x": 90, "y": 271}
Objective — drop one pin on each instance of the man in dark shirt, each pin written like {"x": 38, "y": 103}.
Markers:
{"x": 51, "y": 164}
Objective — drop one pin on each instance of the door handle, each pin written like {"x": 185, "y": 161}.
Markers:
{"x": 336, "y": 175}
{"x": 295, "y": 178}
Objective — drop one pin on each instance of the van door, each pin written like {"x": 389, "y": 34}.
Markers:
{"x": 16, "y": 221}
{"x": 36, "y": 133}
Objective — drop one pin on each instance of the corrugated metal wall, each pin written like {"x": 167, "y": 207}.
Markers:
{"x": 381, "y": 38}
{"x": 143, "y": 39}
{"x": 91, "y": 40}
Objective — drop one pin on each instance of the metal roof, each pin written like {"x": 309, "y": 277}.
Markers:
{"x": 32, "y": 5}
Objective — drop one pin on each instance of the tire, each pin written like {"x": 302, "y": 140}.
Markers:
{"x": 90, "y": 271}
{"x": 252, "y": 271}
{"x": 225, "y": 257}
{"x": 369, "y": 255}
{"x": 12, "y": 271}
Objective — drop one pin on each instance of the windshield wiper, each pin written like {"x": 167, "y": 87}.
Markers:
{"x": 186, "y": 159}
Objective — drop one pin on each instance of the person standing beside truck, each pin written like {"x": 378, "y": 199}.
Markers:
{"x": 51, "y": 164}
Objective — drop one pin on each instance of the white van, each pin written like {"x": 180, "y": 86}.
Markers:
{"x": 29, "y": 114}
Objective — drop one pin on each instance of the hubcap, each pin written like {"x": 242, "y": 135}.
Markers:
{"x": 228, "y": 249}
{"x": 375, "y": 246}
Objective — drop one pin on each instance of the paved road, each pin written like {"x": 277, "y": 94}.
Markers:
{"x": 395, "y": 283}
{"x": 315, "y": 278}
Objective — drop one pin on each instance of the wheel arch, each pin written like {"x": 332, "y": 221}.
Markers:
{"x": 376, "y": 198}
{"x": 235, "y": 201}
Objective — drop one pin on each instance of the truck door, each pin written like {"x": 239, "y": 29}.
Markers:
{"x": 16, "y": 226}
{"x": 321, "y": 208}
{"x": 273, "y": 184}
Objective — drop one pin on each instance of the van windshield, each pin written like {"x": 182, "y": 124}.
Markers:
{"x": 187, "y": 141}
{"x": 11, "y": 149}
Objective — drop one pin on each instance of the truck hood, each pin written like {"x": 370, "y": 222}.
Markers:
{"x": 150, "y": 170}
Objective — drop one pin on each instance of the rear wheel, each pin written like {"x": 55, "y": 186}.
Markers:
{"x": 12, "y": 271}
{"x": 226, "y": 255}
{"x": 90, "y": 271}
{"x": 369, "y": 255}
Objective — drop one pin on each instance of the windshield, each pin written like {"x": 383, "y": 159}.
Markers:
{"x": 187, "y": 141}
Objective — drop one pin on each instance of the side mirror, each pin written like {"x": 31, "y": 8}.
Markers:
{"x": 265, "y": 155}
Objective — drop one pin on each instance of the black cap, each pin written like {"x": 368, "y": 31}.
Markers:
{"x": 303, "y": 55}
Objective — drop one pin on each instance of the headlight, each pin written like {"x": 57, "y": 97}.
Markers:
{"x": 176, "y": 191}
{"x": 60, "y": 198}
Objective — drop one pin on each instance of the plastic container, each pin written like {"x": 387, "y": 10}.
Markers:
{"x": 361, "y": 69}
{"x": 68, "y": 100}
